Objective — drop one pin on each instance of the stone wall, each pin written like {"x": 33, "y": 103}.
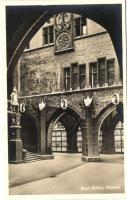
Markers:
{"x": 41, "y": 70}
{"x": 101, "y": 99}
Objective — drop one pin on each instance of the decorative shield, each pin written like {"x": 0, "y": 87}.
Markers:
{"x": 63, "y": 103}
{"x": 22, "y": 107}
{"x": 42, "y": 105}
{"x": 115, "y": 99}
{"x": 88, "y": 101}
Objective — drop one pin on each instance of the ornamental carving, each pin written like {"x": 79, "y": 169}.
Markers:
{"x": 63, "y": 32}
{"x": 100, "y": 100}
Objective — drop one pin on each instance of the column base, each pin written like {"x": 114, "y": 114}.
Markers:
{"x": 91, "y": 159}
{"x": 16, "y": 162}
{"x": 46, "y": 157}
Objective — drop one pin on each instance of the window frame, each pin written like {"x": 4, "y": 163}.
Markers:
{"x": 80, "y": 24}
{"x": 106, "y": 79}
{"x": 71, "y": 76}
{"x": 67, "y": 78}
{"x": 82, "y": 75}
{"x": 48, "y": 34}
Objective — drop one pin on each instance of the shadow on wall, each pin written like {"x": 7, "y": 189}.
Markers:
{"x": 29, "y": 134}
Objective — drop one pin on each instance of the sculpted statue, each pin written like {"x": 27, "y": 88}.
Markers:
{"x": 14, "y": 100}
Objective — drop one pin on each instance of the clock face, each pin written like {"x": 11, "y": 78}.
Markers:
{"x": 63, "y": 41}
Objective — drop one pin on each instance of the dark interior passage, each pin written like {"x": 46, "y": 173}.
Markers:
{"x": 29, "y": 134}
{"x": 111, "y": 135}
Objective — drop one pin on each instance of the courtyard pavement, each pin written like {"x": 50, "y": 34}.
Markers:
{"x": 67, "y": 174}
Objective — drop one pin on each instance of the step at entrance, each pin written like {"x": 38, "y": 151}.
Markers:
{"x": 31, "y": 157}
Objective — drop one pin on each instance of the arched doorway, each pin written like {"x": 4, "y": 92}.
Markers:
{"x": 62, "y": 132}
{"x": 111, "y": 134}
{"x": 29, "y": 133}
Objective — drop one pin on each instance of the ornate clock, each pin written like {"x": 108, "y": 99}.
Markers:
{"x": 63, "y": 41}
{"x": 63, "y": 32}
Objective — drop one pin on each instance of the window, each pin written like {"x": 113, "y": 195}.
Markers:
{"x": 79, "y": 140}
{"x": 59, "y": 138}
{"x": 74, "y": 76}
{"x": 67, "y": 78}
{"x": 94, "y": 77}
{"x": 82, "y": 79}
{"x": 48, "y": 35}
{"x": 102, "y": 72}
{"x": 119, "y": 137}
{"x": 28, "y": 45}
{"x": 79, "y": 26}
{"x": 110, "y": 71}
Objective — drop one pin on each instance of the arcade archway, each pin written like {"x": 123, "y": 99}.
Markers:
{"x": 64, "y": 132}
{"x": 111, "y": 133}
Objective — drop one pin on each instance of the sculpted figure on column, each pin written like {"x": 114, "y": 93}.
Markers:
{"x": 14, "y": 100}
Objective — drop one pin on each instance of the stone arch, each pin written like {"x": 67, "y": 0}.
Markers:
{"x": 112, "y": 112}
{"x": 29, "y": 25}
{"x": 105, "y": 112}
{"x": 56, "y": 117}
{"x": 30, "y": 133}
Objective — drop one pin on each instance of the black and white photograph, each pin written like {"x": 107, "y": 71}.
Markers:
{"x": 65, "y": 94}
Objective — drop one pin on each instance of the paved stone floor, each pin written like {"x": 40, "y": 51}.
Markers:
{"x": 67, "y": 174}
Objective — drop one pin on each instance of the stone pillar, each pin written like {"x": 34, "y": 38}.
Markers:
{"x": 15, "y": 141}
{"x": 84, "y": 139}
{"x": 43, "y": 132}
{"x": 43, "y": 138}
{"x": 72, "y": 141}
{"x": 90, "y": 150}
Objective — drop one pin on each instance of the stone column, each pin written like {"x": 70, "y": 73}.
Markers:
{"x": 43, "y": 132}
{"x": 84, "y": 139}
{"x": 90, "y": 150}
{"x": 15, "y": 141}
{"x": 43, "y": 138}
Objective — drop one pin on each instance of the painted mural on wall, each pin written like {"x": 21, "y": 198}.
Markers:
{"x": 37, "y": 78}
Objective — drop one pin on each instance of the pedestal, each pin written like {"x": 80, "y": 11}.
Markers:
{"x": 91, "y": 159}
{"x": 15, "y": 145}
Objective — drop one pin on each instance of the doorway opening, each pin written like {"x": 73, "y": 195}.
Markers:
{"x": 111, "y": 137}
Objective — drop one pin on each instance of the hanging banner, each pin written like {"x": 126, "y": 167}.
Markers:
{"x": 63, "y": 103}
{"x": 115, "y": 99}
{"x": 88, "y": 101}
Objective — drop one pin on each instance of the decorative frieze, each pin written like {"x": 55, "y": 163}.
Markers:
{"x": 101, "y": 98}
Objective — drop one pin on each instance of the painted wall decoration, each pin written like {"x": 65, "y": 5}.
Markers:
{"x": 42, "y": 71}
{"x": 37, "y": 77}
